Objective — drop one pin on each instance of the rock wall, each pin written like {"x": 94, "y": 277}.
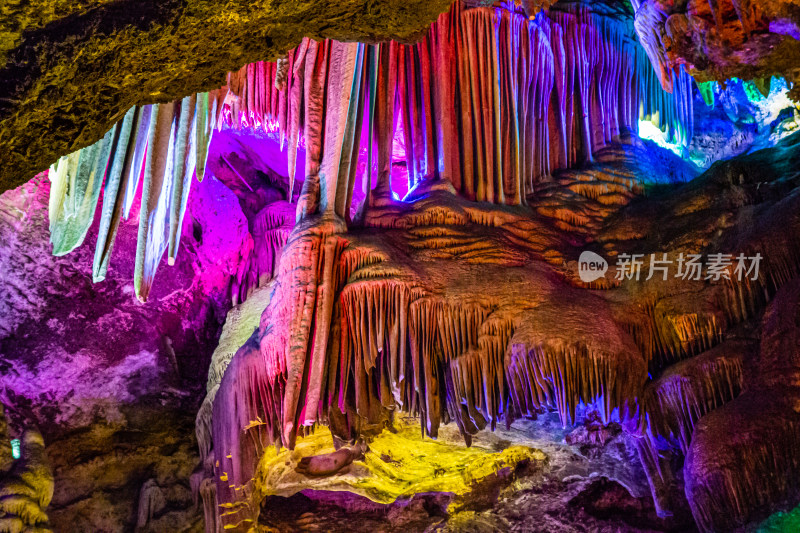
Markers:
{"x": 461, "y": 303}
{"x": 112, "y": 385}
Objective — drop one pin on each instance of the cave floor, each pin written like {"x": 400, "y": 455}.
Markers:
{"x": 592, "y": 485}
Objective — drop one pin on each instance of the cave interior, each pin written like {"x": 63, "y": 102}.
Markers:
{"x": 459, "y": 266}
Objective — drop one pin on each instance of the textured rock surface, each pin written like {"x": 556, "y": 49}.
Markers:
{"x": 755, "y": 470}
{"x": 595, "y": 488}
{"x": 70, "y": 70}
{"x": 113, "y": 385}
{"x": 721, "y": 39}
{"x": 725, "y": 396}
{"x": 546, "y": 108}
{"x": 26, "y": 480}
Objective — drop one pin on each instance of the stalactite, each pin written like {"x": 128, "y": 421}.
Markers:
{"x": 183, "y": 168}
{"x": 76, "y": 183}
{"x": 648, "y": 20}
{"x": 725, "y": 487}
{"x": 113, "y": 196}
{"x": 314, "y": 120}
{"x": 151, "y": 501}
{"x": 202, "y": 133}
{"x": 345, "y": 334}
{"x": 165, "y": 149}
{"x": 744, "y": 458}
{"x": 139, "y": 151}
{"x": 543, "y": 376}
{"x": 270, "y": 229}
{"x": 674, "y": 404}
{"x": 156, "y": 189}
{"x": 677, "y": 328}
{"x": 342, "y": 96}
{"x": 417, "y": 352}
{"x": 564, "y": 85}
{"x": 745, "y": 298}
{"x": 298, "y": 75}
{"x": 561, "y": 87}
{"x": 678, "y": 399}
{"x": 208, "y": 493}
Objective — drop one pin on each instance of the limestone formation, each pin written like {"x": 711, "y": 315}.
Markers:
{"x": 552, "y": 109}
{"x": 532, "y": 255}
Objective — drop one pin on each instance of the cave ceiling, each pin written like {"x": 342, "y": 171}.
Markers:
{"x": 69, "y": 70}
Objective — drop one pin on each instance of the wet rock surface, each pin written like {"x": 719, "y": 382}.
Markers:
{"x": 628, "y": 403}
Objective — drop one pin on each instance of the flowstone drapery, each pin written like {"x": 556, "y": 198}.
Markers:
{"x": 473, "y": 313}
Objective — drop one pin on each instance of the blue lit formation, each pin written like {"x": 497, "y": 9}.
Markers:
{"x": 16, "y": 450}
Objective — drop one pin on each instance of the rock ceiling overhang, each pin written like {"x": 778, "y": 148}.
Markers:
{"x": 69, "y": 70}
